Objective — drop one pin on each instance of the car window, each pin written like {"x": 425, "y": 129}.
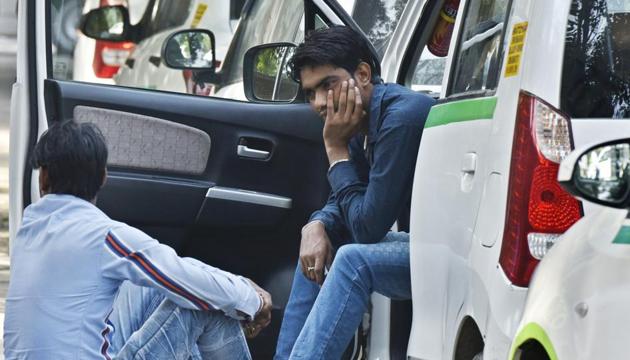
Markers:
{"x": 137, "y": 62}
{"x": 596, "y": 71}
{"x": 378, "y": 19}
{"x": 167, "y": 14}
{"x": 479, "y": 52}
{"x": 427, "y": 72}
{"x": 255, "y": 29}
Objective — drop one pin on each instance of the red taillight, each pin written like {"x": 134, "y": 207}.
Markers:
{"x": 109, "y": 57}
{"x": 536, "y": 202}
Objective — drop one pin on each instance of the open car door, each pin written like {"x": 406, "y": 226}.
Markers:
{"x": 227, "y": 182}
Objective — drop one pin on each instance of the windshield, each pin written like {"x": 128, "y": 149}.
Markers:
{"x": 596, "y": 71}
{"x": 256, "y": 27}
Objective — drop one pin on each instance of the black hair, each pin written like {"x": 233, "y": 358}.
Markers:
{"x": 339, "y": 46}
{"x": 75, "y": 156}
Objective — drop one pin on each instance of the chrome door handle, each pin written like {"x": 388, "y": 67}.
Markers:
{"x": 244, "y": 151}
{"x": 469, "y": 163}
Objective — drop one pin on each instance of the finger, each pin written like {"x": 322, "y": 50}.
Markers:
{"x": 307, "y": 269}
{"x": 357, "y": 112}
{"x": 303, "y": 266}
{"x": 343, "y": 98}
{"x": 319, "y": 270}
{"x": 330, "y": 105}
{"x": 306, "y": 264}
{"x": 350, "y": 101}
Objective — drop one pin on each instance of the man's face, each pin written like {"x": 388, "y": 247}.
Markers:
{"x": 317, "y": 80}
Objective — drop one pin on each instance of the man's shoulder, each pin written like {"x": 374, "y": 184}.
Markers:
{"x": 396, "y": 94}
{"x": 405, "y": 106}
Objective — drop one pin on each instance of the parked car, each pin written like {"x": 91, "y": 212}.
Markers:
{"x": 145, "y": 68}
{"x": 577, "y": 302}
{"x": 525, "y": 82}
{"x": 232, "y": 207}
{"x": 98, "y": 61}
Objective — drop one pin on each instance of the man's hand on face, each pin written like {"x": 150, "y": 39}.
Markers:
{"x": 342, "y": 124}
{"x": 262, "y": 317}
{"x": 315, "y": 251}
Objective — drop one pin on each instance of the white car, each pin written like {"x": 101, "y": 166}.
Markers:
{"x": 144, "y": 67}
{"x": 98, "y": 61}
{"x": 578, "y": 298}
{"x": 525, "y": 81}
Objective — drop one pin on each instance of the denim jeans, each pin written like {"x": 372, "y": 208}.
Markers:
{"x": 149, "y": 326}
{"x": 319, "y": 323}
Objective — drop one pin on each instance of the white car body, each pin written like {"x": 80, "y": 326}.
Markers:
{"x": 213, "y": 15}
{"x": 577, "y": 303}
{"x": 84, "y": 49}
{"x": 461, "y": 188}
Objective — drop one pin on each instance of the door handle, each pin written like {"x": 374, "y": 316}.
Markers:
{"x": 469, "y": 163}
{"x": 244, "y": 151}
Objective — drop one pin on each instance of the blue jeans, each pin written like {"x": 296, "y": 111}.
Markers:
{"x": 319, "y": 323}
{"x": 149, "y": 326}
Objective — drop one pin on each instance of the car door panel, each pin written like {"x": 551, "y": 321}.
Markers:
{"x": 237, "y": 213}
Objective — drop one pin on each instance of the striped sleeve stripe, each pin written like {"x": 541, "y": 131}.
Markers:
{"x": 138, "y": 259}
{"x": 104, "y": 333}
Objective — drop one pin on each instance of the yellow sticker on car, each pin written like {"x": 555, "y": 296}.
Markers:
{"x": 201, "y": 9}
{"x": 516, "y": 49}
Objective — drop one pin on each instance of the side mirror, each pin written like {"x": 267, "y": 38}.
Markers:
{"x": 190, "y": 50}
{"x": 600, "y": 174}
{"x": 266, "y": 76}
{"x": 109, "y": 23}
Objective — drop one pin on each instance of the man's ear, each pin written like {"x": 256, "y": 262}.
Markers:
{"x": 44, "y": 181}
{"x": 363, "y": 74}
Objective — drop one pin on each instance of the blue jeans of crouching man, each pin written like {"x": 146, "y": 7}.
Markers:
{"x": 320, "y": 322}
{"x": 149, "y": 326}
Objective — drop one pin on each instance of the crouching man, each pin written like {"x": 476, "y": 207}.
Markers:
{"x": 70, "y": 263}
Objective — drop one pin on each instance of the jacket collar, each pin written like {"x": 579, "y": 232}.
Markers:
{"x": 374, "y": 124}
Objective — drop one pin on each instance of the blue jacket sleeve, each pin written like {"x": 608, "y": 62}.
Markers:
{"x": 371, "y": 209}
{"x": 330, "y": 216}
